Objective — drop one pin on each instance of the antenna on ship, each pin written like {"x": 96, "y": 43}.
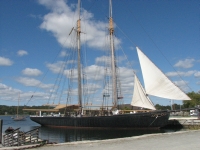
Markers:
{"x": 113, "y": 63}
{"x": 79, "y": 59}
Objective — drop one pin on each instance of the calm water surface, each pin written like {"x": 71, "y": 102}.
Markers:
{"x": 68, "y": 135}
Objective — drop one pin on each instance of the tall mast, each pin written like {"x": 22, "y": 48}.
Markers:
{"x": 79, "y": 58}
{"x": 113, "y": 64}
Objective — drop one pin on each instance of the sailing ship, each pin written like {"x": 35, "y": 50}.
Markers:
{"x": 18, "y": 117}
{"x": 155, "y": 81}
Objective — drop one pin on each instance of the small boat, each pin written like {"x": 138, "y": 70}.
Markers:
{"x": 9, "y": 129}
{"x": 18, "y": 117}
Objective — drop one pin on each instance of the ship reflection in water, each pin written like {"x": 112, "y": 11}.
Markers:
{"x": 60, "y": 135}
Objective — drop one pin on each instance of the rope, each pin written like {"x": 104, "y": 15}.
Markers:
{"x": 156, "y": 47}
{"x": 153, "y": 121}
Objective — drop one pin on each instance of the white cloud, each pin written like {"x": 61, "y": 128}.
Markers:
{"x": 106, "y": 60}
{"x": 187, "y": 63}
{"x": 7, "y": 92}
{"x": 103, "y": 60}
{"x": 182, "y": 85}
{"x": 22, "y": 53}
{"x": 31, "y": 72}
{"x": 33, "y": 82}
{"x": 56, "y": 67}
{"x": 197, "y": 74}
{"x": 95, "y": 72}
{"x": 63, "y": 54}
{"x": 126, "y": 77}
{"x": 179, "y": 73}
{"x": 28, "y": 81}
{"x": 10, "y": 94}
{"x": 5, "y": 61}
{"x": 60, "y": 22}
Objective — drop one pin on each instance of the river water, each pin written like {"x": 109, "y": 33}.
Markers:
{"x": 69, "y": 135}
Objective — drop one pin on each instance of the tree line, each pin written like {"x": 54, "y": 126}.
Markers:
{"x": 194, "y": 102}
{"x": 12, "y": 110}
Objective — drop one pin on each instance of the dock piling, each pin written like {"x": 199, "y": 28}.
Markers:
{"x": 1, "y": 125}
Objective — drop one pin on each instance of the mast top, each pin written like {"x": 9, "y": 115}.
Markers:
{"x": 111, "y": 27}
{"x": 79, "y": 2}
{"x": 110, "y": 12}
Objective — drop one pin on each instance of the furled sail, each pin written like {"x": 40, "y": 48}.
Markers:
{"x": 140, "y": 99}
{"x": 156, "y": 82}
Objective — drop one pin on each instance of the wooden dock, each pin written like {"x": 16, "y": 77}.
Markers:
{"x": 17, "y": 139}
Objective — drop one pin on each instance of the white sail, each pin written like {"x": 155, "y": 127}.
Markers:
{"x": 156, "y": 82}
{"x": 140, "y": 99}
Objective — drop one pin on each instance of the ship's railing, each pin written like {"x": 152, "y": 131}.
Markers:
{"x": 18, "y": 138}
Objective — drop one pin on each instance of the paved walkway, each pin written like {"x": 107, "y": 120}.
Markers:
{"x": 184, "y": 140}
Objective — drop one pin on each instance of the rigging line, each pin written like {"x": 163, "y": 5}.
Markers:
{"x": 82, "y": 17}
{"x": 70, "y": 84}
{"x": 71, "y": 72}
{"x": 84, "y": 63}
{"x": 105, "y": 84}
{"x": 43, "y": 78}
{"x": 153, "y": 121}
{"x": 85, "y": 87}
{"x": 144, "y": 92}
{"x": 48, "y": 70}
{"x": 127, "y": 60}
{"x": 119, "y": 90}
{"x": 56, "y": 56}
{"x": 58, "y": 80}
{"x": 158, "y": 48}
{"x": 96, "y": 74}
{"x": 108, "y": 67}
{"x": 106, "y": 77}
{"x": 125, "y": 35}
{"x": 85, "y": 90}
{"x": 85, "y": 79}
{"x": 103, "y": 12}
{"x": 93, "y": 86}
{"x": 89, "y": 95}
{"x": 63, "y": 84}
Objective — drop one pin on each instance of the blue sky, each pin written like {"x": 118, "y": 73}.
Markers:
{"x": 33, "y": 33}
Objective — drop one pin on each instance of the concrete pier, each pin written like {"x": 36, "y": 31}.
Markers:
{"x": 166, "y": 141}
{"x": 183, "y": 140}
{"x": 183, "y": 122}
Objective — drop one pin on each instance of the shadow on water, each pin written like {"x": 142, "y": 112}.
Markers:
{"x": 60, "y": 135}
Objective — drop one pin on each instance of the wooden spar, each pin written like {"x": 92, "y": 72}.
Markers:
{"x": 114, "y": 78}
{"x": 79, "y": 59}
{"x": 47, "y": 110}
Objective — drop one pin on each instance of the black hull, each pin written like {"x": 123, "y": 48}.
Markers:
{"x": 154, "y": 119}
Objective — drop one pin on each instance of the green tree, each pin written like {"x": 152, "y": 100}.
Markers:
{"x": 161, "y": 107}
{"x": 195, "y": 100}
